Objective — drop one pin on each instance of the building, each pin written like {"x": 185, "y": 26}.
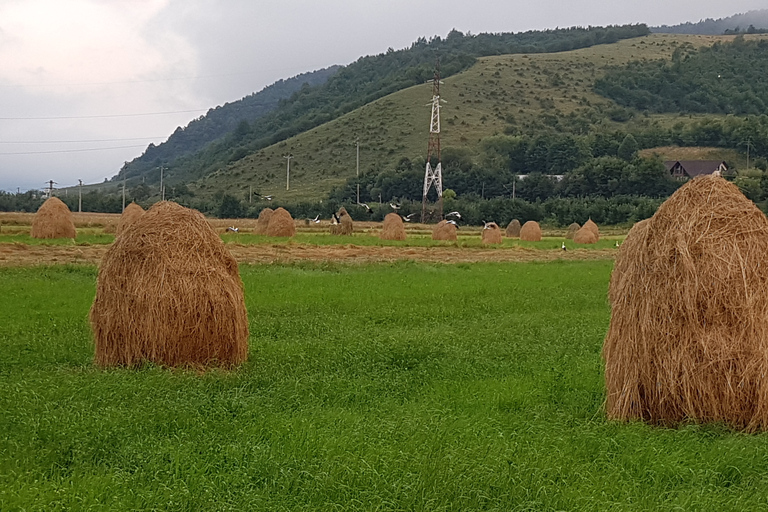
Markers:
{"x": 686, "y": 169}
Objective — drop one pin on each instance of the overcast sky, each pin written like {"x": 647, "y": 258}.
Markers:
{"x": 85, "y": 85}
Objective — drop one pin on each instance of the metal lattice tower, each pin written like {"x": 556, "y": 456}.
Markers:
{"x": 434, "y": 176}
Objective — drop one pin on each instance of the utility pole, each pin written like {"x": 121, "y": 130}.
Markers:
{"x": 51, "y": 183}
{"x": 162, "y": 190}
{"x": 288, "y": 172}
{"x": 80, "y": 198}
{"x": 357, "y": 145}
{"x": 250, "y": 194}
{"x": 434, "y": 176}
{"x": 123, "y": 191}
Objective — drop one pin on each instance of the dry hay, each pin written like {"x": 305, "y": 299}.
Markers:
{"x": 169, "y": 292}
{"x": 53, "y": 220}
{"x": 393, "y": 228}
{"x": 132, "y": 212}
{"x": 531, "y": 231}
{"x": 590, "y": 225}
{"x": 281, "y": 224}
{"x": 572, "y": 229}
{"x": 345, "y": 225}
{"x": 263, "y": 221}
{"x": 513, "y": 229}
{"x": 585, "y": 236}
{"x": 445, "y": 230}
{"x": 689, "y": 300}
{"x": 491, "y": 234}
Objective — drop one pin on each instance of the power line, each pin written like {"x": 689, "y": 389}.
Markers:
{"x": 52, "y": 118}
{"x": 77, "y": 141}
{"x": 149, "y": 80}
{"x": 69, "y": 150}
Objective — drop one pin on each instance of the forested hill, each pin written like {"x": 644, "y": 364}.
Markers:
{"x": 366, "y": 80}
{"x": 749, "y": 22}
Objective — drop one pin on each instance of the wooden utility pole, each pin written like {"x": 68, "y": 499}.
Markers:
{"x": 80, "y": 197}
{"x": 288, "y": 172}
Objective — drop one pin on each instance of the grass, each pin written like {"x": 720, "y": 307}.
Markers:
{"x": 91, "y": 237}
{"x": 370, "y": 387}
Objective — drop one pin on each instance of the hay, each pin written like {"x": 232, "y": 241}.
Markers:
{"x": 590, "y": 225}
{"x": 513, "y": 229}
{"x": 393, "y": 228}
{"x": 281, "y": 224}
{"x": 689, "y": 298}
{"x": 444, "y": 230}
{"x": 169, "y": 292}
{"x": 132, "y": 212}
{"x": 585, "y": 236}
{"x": 572, "y": 229}
{"x": 531, "y": 231}
{"x": 345, "y": 226}
{"x": 53, "y": 220}
{"x": 263, "y": 221}
{"x": 491, "y": 234}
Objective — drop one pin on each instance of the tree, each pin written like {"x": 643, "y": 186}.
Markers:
{"x": 230, "y": 207}
{"x": 628, "y": 148}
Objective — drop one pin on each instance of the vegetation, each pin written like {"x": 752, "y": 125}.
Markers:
{"x": 737, "y": 23}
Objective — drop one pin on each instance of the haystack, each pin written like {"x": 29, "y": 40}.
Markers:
{"x": 531, "y": 231}
{"x": 345, "y": 225}
{"x": 281, "y": 224}
{"x": 263, "y": 221}
{"x": 585, "y": 236}
{"x": 590, "y": 225}
{"x": 491, "y": 234}
{"x": 393, "y": 228}
{"x": 53, "y": 220}
{"x": 444, "y": 230}
{"x": 689, "y": 299}
{"x": 572, "y": 229}
{"x": 513, "y": 229}
{"x": 132, "y": 212}
{"x": 169, "y": 292}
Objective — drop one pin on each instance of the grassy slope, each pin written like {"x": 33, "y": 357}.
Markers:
{"x": 478, "y": 103}
{"x": 407, "y": 386}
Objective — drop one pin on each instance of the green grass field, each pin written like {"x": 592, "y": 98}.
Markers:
{"x": 369, "y": 387}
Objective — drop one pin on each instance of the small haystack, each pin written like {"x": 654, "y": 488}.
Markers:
{"x": 169, "y": 292}
{"x": 393, "y": 228}
{"x": 513, "y": 229}
{"x": 531, "y": 231}
{"x": 590, "y": 225}
{"x": 345, "y": 225}
{"x": 445, "y": 230}
{"x": 263, "y": 221}
{"x": 53, "y": 220}
{"x": 281, "y": 224}
{"x": 131, "y": 213}
{"x": 491, "y": 234}
{"x": 689, "y": 312}
{"x": 572, "y": 229}
{"x": 585, "y": 236}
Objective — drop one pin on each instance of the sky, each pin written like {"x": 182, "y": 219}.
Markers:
{"x": 86, "y": 85}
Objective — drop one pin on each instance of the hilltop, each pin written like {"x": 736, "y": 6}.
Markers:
{"x": 748, "y": 22}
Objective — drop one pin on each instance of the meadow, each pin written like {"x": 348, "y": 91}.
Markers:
{"x": 403, "y": 386}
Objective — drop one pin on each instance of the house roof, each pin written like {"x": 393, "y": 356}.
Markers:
{"x": 694, "y": 168}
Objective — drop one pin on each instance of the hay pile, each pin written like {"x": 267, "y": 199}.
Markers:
{"x": 585, "y": 236}
{"x": 263, "y": 221}
{"x": 590, "y": 225}
{"x": 444, "y": 230}
{"x": 393, "y": 228}
{"x": 689, "y": 297}
{"x": 169, "y": 292}
{"x": 53, "y": 220}
{"x": 531, "y": 231}
{"x": 345, "y": 225}
{"x": 132, "y": 212}
{"x": 572, "y": 229}
{"x": 491, "y": 234}
{"x": 513, "y": 229}
{"x": 281, "y": 223}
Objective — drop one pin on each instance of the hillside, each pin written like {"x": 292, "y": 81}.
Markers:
{"x": 758, "y": 20}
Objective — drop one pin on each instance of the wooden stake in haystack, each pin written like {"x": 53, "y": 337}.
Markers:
{"x": 393, "y": 228}
{"x": 132, "y": 212}
{"x": 53, "y": 220}
{"x": 169, "y": 292}
{"x": 689, "y": 312}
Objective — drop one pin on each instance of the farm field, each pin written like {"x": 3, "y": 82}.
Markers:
{"x": 387, "y": 386}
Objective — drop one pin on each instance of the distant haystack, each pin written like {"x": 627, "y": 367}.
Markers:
{"x": 393, "y": 228}
{"x": 572, "y": 229}
{"x": 132, "y": 212}
{"x": 513, "y": 229}
{"x": 590, "y": 225}
{"x": 281, "y": 224}
{"x": 491, "y": 234}
{"x": 585, "y": 236}
{"x": 345, "y": 225}
{"x": 169, "y": 292}
{"x": 53, "y": 220}
{"x": 530, "y": 232}
{"x": 444, "y": 230}
{"x": 689, "y": 312}
{"x": 263, "y": 221}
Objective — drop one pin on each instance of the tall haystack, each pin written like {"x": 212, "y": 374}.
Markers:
{"x": 585, "y": 236}
{"x": 393, "y": 228}
{"x": 530, "y": 232}
{"x": 590, "y": 225}
{"x": 169, "y": 292}
{"x": 132, "y": 212}
{"x": 689, "y": 312}
{"x": 445, "y": 230}
{"x": 345, "y": 225}
{"x": 263, "y": 221}
{"x": 53, "y": 220}
{"x": 572, "y": 229}
{"x": 513, "y": 229}
{"x": 491, "y": 234}
{"x": 281, "y": 224}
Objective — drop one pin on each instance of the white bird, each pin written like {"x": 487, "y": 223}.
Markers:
{"x": 487, "y": 225}
{"x": 453, "y": 214}
{"x": 316, "y": 220}
{"x": 367, "y": 208}
{"x": 335, "y": 219}
{"x": 407, "y": 218}
{"x": 394, "y": 206}
{"x": 564, "y": 247}
{"x": 268, "y": 198}
{"x": 452, "y": 222}
{"x": 233, "y": 229}
{"x": 616, "y": 244}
